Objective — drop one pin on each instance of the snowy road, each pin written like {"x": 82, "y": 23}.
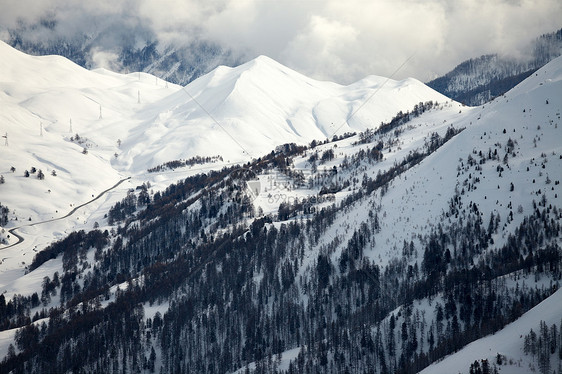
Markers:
{"x": 21, "y": 238}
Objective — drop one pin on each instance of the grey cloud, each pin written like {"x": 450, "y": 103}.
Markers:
{"x": 331, "y": 39}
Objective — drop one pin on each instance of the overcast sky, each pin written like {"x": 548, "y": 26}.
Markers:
{"x": 339, "y": 40}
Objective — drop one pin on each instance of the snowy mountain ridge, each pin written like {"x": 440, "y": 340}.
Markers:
{"x": 130, "y": 123}
{"x": 261, "y": 104}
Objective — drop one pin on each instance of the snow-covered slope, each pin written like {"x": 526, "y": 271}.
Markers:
{"x": 529, "y": 115}
{"x": 129, "y": 123}
{"x": 508, "y": 342}
{"x": 246, "y": 111}
{"x": 45, "y": 102}
{"x": 523, "y": 129}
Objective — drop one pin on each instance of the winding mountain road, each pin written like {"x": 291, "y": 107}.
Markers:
{"x": 21, "y": 238}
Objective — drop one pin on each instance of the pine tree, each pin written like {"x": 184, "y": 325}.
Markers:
{"x": 544, "y": 349}
{"x": 553, "y": 338}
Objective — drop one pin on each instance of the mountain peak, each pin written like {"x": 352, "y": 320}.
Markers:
{"x": 268, "y": 104}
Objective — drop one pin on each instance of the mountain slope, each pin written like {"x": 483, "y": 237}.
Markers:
{"x": 383, "y": 251}
{"x": 509, "y": 342}
{"x": 46, "y": 102}
{"x": 251, "y": 109}
{"x": 86, "y": 130}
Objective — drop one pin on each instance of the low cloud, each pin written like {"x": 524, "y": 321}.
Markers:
{"x": 329, "y": 39}
{"x": 105, "y": 59}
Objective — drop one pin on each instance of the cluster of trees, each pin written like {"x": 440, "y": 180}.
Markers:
{"x": 4, "y": 211}
{"x": 372, "y": 155}
{"x": 482, "y": 367}
{"x": 176, "y": 164}
{"x": 545, "y": 346}
{"x": 399, "y": 119}
{"x": 75, "y": 241}
{"x": 124, "y": 208}
{"x": 327, "y": 155}
{"x": 33, "y": 170}
{"x": 15, "y": 312}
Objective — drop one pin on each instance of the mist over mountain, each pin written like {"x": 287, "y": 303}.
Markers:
{"x": 479, "y": 80}
{"x": 325, "y": 40}
{"x": 122, "y": 47}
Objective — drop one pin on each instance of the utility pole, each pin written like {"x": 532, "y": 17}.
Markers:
{"x": 138, "y": 102}
{"x": 70, "y": 130}
{"x": 100, "y": 113}
{"x": 6, "y": 137}
{"x": 40, "y": 128}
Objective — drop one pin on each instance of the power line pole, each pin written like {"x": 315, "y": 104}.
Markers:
{"x": 6, "y": 137}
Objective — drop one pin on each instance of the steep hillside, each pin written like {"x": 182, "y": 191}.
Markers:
{"x": 506, "y": 349}
{"x": 384, "y": 251}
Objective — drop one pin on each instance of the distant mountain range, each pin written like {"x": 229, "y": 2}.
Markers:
{"x": 478, "y": 80}
{"x": 124, "y": 48}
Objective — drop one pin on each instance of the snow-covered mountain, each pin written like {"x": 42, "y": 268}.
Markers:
{"x": 65, "y": 121}
{"x": 383, "y": 251}
{"x": 250, "y": 109}
{"x": 54, "y": 111}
